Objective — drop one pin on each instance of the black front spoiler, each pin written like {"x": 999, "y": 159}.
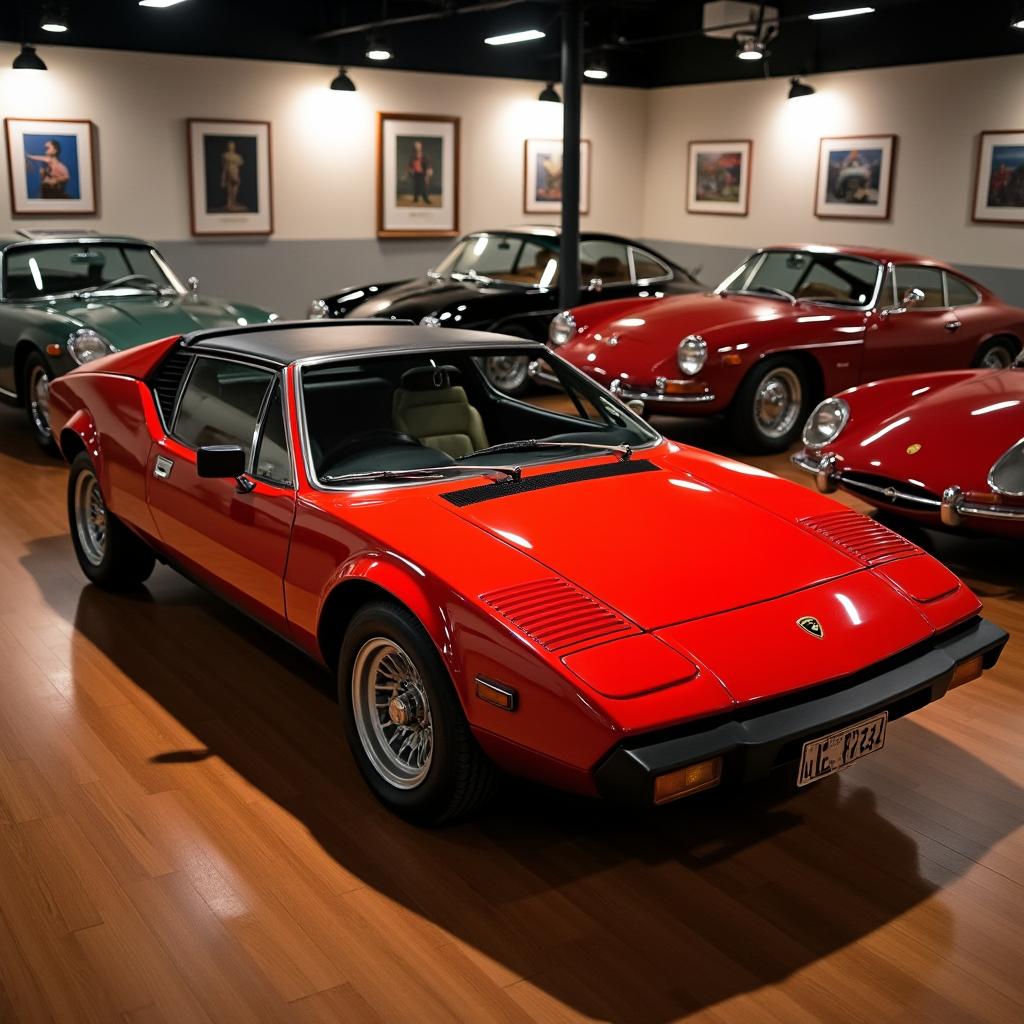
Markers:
{"x": 755, "y": 740}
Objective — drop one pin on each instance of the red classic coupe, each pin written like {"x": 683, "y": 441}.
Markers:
{"x": 789, "y": 326}
{"x": 361, "y": 488}
{"x": 941, "y": 449}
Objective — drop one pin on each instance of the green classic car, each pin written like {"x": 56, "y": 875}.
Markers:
{"x": 66, "y": 299}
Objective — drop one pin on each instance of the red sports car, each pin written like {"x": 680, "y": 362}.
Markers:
{"x": 361, "y": 488}
{"x": 942, "y": 449}
{"x": 788, "y": 327}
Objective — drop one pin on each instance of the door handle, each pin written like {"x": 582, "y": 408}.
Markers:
{"x": 953, "y": 325}
{"x": 162, "y": 467}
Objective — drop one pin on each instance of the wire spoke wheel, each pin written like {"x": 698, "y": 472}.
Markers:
{"x": 507, "y": 373}
{"x": 392, "y": 713}
{"x": 90, "y": 517}
{"x": 777, "y": 402}
{"x": 39, "y": 401}
{"x": 997, "y": 358}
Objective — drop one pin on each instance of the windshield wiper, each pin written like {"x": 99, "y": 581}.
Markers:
{"x": 135, "y": 280}
{"x": 782, "y": 293}
{"x": 509, "y": 473}
{"x": 622, "y": 450}
{"x": 472, "y": 275}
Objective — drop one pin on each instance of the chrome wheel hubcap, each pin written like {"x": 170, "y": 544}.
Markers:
{"x": 997, "y": 359}
{"x": 392, "y": 713}
{"x": 507, "y": 373}
{"x": 90, "y": 517}
{"x": 777, "y": 403}
{"x": 39, "y": 400}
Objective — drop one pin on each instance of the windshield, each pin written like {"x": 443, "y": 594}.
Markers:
{"x": 530, "y": 262}
{"x": 830, "y": 278}
{"x": 39, "y": 271}
{"x": 435, "y": 414}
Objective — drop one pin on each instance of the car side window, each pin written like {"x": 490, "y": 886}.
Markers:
{"x": 221, "y": 403}
{"x": 928, "y": 279}
{"x": 959, "y": 292}
{"x": 647, "y": 267}
{"x": 607, "y": 260}
{"x": 272, "y": 463}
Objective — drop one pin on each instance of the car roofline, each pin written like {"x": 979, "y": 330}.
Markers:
{"x": 8, "y": 243}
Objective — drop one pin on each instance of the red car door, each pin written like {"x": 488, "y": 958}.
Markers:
{"x": 231, "y": 536}
{"x": 912, "y": 329}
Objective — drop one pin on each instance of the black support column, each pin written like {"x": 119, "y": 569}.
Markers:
{"x": 572, "y": 77}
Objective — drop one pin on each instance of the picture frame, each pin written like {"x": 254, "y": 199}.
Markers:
{"x": 855, "y": 177}
{"x": 417, "y": 175}
{"x": 718, "y": 176}
{"x": 51, "y": 166}
{"x": 999, "y": 178}
{"x": 542, "y": 176}
{"x": 230, "y": 177}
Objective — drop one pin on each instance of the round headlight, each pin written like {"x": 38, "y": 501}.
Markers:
{"x": 1007, "y": 475}
{"x": 318, "y": 310}
{"x": 826, "y": 423}
{"x": 692, "y": 354}
{"x": 562, "y": 328}
{"x": 86, "y": 345}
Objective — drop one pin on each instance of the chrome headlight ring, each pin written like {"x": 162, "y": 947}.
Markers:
{"x": 826, "y": 422}
{"x": 692, "y": 354}
{"x": 86, "y": 345}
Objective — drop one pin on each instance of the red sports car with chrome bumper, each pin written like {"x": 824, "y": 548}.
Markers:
{"x": 791, "y": 325}
{"x": 362, "y": 489}
{"x": 941, "y": 449}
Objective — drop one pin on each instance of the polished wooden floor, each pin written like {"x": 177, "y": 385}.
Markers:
{"x": 183, "y": 837}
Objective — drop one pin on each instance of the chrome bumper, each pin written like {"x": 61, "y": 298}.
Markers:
{"x": 658, "y": 396}
{"x": 953, "y": 508}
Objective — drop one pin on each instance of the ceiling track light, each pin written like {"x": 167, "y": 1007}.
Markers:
{"x": 376, "y": 49}
{"x": 596, "y": 69}
{"x": 54, "y": 19}
{"x": 342, "y": 83}
{"x": 751, "y": 49}
{"x": 549, "y": 94}
{"x": 848, "y": 12}
{"x": 28, "y": 60}
{"x": 798, "y": 89}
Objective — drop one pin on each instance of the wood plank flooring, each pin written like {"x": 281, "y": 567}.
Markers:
{"x": 183, "y": 837}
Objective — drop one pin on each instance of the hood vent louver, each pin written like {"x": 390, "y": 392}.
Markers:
{"x": 869, "y": 542}
{"x": 557, "y": 616}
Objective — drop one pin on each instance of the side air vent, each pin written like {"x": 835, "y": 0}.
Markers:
{"x": 867, "y": 541}
{"x": 557, "y": 616}
{"x": 167, "y": 382}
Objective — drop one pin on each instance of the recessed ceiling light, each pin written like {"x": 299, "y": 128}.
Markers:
{"x": 751, "y": 49}
{"x": 514, "y": 37}
{"x": 159, "y": 3}
{"x": 848, "y": 12}
{"x": 596, "y": 69}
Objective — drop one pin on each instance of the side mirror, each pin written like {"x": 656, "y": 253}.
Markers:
{"x": 220, "y": 461}
{"x": 635, "y": 406}
{"x": 596, "y": 284}
{"x": 912, "y": 297}
{"x": 192, "y": 284}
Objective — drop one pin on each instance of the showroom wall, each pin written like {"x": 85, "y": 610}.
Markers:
{"x": 937, "y": 110}
{"x": 324, "y": 159}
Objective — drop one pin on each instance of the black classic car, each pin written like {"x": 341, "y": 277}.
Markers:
{"x": 507, "y": 281}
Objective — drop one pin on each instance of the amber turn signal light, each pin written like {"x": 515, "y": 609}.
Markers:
{"x": 967, "y": 670}
{"x": 684, "y": 387}
{"x": 53, "y": 350}
{"x": 686, "y": 781}
{"x": 500, "y": 696}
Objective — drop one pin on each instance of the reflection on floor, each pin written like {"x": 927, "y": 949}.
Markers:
{"x": 183, "y": 837}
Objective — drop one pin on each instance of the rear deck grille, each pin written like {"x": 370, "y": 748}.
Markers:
{"x": 556, "y": 615}
{"x": 867, "y": 541}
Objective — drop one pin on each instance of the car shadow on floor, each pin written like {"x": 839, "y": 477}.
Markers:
{"x": 620, "y": 914}
{"x": 16, "y": 441}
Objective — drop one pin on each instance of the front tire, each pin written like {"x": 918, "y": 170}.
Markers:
{"x": 36, "y": 391}
{"x": 411, "y": 742}
{"x": 770, "y": 407}
{"x": 111, "y": 556}
{"x": 996, "y": 354}
{"x": 509, "y": 374}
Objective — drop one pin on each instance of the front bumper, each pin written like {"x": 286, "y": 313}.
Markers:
{"x": 754, "y": 740}
{"x": 660, "y": 393}
{"x": 952, "y": 508}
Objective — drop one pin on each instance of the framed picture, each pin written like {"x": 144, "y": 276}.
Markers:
{"x": 999, "y": 183}
{"x": 542, "y": 176}
{"x": 855, "y": 177}
{"x": 417, "y": 176}
{"x": 52, "y": 166}
{"x": 229, "y": 177}
{"x": 719, "y": 177}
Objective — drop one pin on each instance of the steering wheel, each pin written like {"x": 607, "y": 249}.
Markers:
{"x": 368, "y": 439}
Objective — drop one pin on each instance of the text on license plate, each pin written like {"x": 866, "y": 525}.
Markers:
{"x": 836, "y": 751}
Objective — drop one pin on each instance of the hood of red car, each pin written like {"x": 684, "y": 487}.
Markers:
{"x": 984, "y": 414}
{"x": 662, "y": 546}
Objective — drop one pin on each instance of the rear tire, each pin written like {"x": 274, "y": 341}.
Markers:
{"x": 411, "y": 742}
{"x": 111, "y": 556}
{"x": 509, "y": 374}
{"x": 35, "y": 389}
{"x": 770, "y": 406}
{"x": 996, "y": 354}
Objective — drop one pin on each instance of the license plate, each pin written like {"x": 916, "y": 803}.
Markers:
{"x": 839, "y": 750}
